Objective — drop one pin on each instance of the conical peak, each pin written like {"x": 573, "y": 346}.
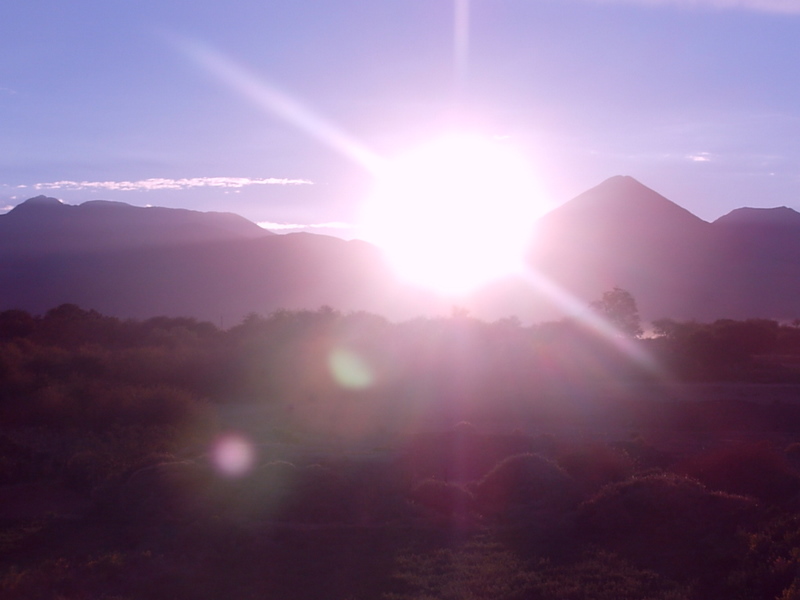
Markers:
{"x": 623, "y": 197}
{"x": 622, "y": 190}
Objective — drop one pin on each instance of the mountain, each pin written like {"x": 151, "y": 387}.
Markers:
{"x": 140, "y": 262}
{"x": 775, "y": 218}
{"x": 42, "y": 225}
{"x": 759, "y": 248}
{"x": 137, "y": 262}
{"x": 622, "y": 233}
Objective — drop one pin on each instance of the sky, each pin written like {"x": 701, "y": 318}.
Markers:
{"x": 276, "y": 109}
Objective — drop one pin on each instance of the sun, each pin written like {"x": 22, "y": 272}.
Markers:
{"x": 454, "y": 213}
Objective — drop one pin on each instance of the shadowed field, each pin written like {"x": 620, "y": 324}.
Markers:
{"x": 438, "y": 459}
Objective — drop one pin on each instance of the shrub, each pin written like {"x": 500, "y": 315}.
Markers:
{"x": 595, "y": 465}
{"x": 280, "y": 491}
{"x": 461, "y": 454}
{"x": 792, "y": 453}
{"x": 83, "y": 470}
{"x": 443, "y": 497}
{"x": 527, "y": 480}
{"x": 20, "y": 464}
{"x": 752, "y": 469}
{"x": 260, "y": 494}
{"x": 486, "y": 570}
{"x": 667, "y": 520}
{"x": 772, "y": 561}
{"x": 317, "y": 496}
{"x": 659, "y": 502}
{"x": 479, "y": 570}
{"x": 171, "y": 490}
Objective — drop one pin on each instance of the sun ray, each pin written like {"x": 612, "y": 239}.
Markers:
{"x": 276, "y": 102}
{"x": 582, "y": 312}
{"x": 461, "y": 27}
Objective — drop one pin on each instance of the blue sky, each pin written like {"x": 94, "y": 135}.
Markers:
{"x": 147, "y": 102}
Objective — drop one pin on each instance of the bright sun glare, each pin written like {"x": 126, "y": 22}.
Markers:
{"x": 454, "y": 213}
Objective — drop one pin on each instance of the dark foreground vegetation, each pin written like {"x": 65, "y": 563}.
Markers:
{"x": 319, "y": 455}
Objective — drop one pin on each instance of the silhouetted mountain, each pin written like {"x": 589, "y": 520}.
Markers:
{"x": 45, "y": 225}
{"x": 779, "y": 217}
{"x": 621, "y": 233}
{"x": 759, "y": 251}
{"x": 140, "y": 262}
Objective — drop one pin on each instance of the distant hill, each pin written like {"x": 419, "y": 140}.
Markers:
{"x": 44, "y": 225}
{"x": 780, "y": 217}
{"x": 139, "y": 262}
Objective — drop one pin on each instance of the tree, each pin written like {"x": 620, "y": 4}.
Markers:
{"x": 618, "y": 307}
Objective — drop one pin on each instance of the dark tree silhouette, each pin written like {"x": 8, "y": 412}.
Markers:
{"x": 619, "y": 308}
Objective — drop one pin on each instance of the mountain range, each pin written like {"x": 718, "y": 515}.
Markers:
{"x": 139, "y": 262}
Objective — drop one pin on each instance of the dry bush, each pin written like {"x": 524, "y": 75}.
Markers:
{"x": 443, "y": 497}
{"x": 751, "y": 469}
{"x": 525, "y": 480}
{"x": 461, "y": 454}
{"x": 792, "y": 453}
{"x": 19, "y": 463}
{"x": 166, "y": 491}
{"x": 595, "y": 465}
{"x": 281, "y": 491}
{"x": 667, "y": 520}
{"x": 486, "y": 570}
{"x": 319, "y": 495}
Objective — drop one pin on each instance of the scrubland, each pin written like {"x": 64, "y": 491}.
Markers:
{"x": 320, "y": 455}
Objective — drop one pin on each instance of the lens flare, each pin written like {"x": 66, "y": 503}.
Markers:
{"x": 349, "y": 369}
{"x": 233, "y": 455}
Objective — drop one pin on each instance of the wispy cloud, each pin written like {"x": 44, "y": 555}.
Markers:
{"x": 167, "y": 184}
{"x": 700, "y": 157}
{"x": 293, "y": 226}
{"x": 772, "y": 6}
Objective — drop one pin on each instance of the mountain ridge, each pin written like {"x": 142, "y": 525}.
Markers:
{"x": 776, "y": 216}
{"x": 136, "y": 262}
{"x": 42, "y": 225}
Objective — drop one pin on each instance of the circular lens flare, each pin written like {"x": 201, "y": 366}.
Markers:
{"x": 349, "y": 369}
{"x": 233, "y": 455}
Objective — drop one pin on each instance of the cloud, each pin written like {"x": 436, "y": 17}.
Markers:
{"x": 167, "y": 184}
{"x": 700, "y": 157}
{"x": 286, "y": 226}
{"x": 772, "y": 6}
